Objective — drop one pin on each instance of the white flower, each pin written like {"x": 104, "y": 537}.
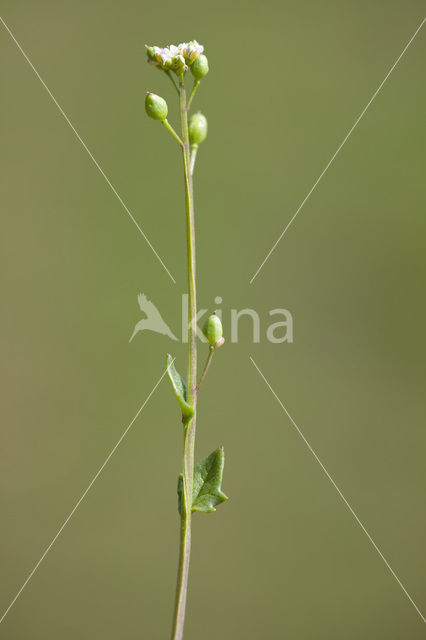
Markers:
{"x": 174, "y": 51}
{"x": 175, "y": 57}
{"x": 163, "y": 55}
{"x": 193, "y": 50}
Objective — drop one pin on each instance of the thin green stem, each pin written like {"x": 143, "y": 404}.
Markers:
{"x": 206, "y": 367}
{"x": 194, "y": 89}
{"x": 173, "y": 81}
{"x": 189, "y": 433}
{"x": 172, "y": 131}
{"x": 194, "y": 149}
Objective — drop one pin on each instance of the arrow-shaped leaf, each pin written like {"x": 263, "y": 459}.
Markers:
{"x": 207, "y": 492}
{"x": 179, "y": 388}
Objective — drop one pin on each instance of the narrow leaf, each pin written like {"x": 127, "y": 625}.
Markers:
{"x": 207, "y": 492}
{"x": 179, "y": 388}
{"x": 180, "y": 493}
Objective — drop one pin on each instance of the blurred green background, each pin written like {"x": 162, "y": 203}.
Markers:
{"x": 284, "y": 558}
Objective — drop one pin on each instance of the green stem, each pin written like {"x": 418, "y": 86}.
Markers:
{"x": 191, "y": 97}
{"x": 207, "y": 365}
{"x": 168, "y": 73}
{"x": 194, "y": 149}
{"x": 189, "y": 433}
{"x": 172, "y": 131}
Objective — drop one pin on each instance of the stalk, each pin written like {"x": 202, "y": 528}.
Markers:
{"x": 189, "y": 431}
{"x": 199, "y": 487}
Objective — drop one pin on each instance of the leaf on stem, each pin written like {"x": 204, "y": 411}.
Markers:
{"x": 207, "y": 492}
{"x": 179, "y": 388}
{"x": 180, "y": 493}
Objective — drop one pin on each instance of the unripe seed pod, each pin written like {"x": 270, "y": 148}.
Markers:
{"x": 200, "y": 67}
{"x": 197, "y": 128}
{"x": 213, "y": 331}
{"x": 156, "y": 107}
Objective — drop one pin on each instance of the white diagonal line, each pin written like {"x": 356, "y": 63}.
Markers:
{"x": 338, "y": 150}
{"x": 338, "y": 491}
{"x": 78, "y": 503}
{"x": 95, "y": 162}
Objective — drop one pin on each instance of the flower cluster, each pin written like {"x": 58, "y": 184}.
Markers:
{"x": 178, "y": 58}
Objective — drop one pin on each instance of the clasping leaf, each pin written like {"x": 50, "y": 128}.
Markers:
{"x": 206, "y": 491}
{"x": 179, "y": 388}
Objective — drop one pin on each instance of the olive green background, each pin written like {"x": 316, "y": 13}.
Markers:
{"x": 284, "y": 557}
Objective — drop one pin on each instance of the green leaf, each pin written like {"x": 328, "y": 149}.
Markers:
{"x": 180, "y": 493}
{"x": 206, "y": 492}
{"x": 179, "y": 388}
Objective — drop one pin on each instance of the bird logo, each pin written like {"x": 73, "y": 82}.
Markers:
{"x": 153, "y": 320}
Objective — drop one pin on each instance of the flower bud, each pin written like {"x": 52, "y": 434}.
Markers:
{"x": 213, "y": 331}
{"x": 197, "y": 128}
{"x": 155, "y": 106}
{"x": 200, "y": 67}
{"x": 150, "y": 52}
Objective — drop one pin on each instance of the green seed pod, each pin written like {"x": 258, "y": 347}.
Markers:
{"x": 213, "y": 331}
{"x": 197, "y": 128}
{"x": 156, "y": 107}
{"x": 200, "y": 67}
